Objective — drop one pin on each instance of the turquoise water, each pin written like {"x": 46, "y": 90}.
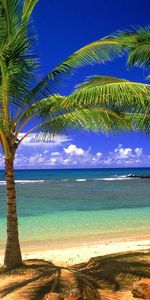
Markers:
{"x": 75, "y": 204}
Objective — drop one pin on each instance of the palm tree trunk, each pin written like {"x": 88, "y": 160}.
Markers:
{"x": 12, "y": 253}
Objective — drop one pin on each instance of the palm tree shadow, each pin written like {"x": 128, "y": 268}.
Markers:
{"x": 117, "y": 271}
{"x": 30, "y": 281}
{"x": 36, "y": 278}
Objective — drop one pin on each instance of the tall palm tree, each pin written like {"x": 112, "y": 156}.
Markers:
{"x": 23, "y": 99}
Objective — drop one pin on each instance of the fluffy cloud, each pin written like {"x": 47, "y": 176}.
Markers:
{"x": 76, "y": 157}
{"x": 123, "y": 153}
{"x": 71, "y": 156}
{"x": 59, "y": 153}
{"x": 125, "y": 156}
{"x": 74, "y": 150}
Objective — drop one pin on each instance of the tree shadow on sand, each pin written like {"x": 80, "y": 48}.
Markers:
{"x": 36, "y": 278}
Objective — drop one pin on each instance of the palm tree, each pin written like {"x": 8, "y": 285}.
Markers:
{"x": 23, "y": 99}
{"x": 137, "y": 44}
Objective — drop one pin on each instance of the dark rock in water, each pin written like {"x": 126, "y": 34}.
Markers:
{"x": 142, "y": 176}
{"x": 141, "y": 289}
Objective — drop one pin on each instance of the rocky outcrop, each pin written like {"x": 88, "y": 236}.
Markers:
{"x": 141, "y": 289}
{"x": 142, "y": 176}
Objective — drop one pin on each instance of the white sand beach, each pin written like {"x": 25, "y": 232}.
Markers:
{"x": 70, "y": 255}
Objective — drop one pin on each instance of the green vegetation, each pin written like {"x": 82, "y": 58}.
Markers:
{"x": 100, "y": 103}
{"x": 137, "y": 43}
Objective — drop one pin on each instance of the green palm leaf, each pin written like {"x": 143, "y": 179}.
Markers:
{"x": 94, "y": 118}
{"x": 16, "y": 51}
{"x": 100, "y": 103}
{"x": 140, "y": 56}
{"x": 110, "y": 91}
{"x": 10, "y": 16}
{"x": 97, "y": 80}
{"x": 43, "y": 109}
{"x": 96, "y": 52}
{"x": 137, "y": 43}
{"x": 28, "y": 8}
{"x": 109, "y": 94}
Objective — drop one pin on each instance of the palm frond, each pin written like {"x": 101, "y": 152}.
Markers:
{"x": 97, "y": 80}
{"x": 109, "y": 97}
{"x": 137, "y": 43}
{"x": 140, "y": 56}
{"x": 110, "y": 91}
{"x": 10, "y": 16}
{"x": 94, "y": 118}
{"x": 16, "y": 51}
{"x": 28, "y": 8}
{"x": 44, "y": 109}
{"x": 141, "y": 121}
{"x": 97, "y": 52}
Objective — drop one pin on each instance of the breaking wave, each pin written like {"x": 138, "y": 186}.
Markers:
{"x": 23, "y": 181}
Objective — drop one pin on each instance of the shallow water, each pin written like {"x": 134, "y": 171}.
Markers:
{"x": 67, "y": 204}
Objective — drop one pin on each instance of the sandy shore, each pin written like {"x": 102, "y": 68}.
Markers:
{"x": 69, "y": 255}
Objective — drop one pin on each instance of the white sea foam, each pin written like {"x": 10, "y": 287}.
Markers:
{"x": 112, "y": 178}
{"x": 115, "y": 178}
{"x": 2, "y": 182}
{"x": 81, "y": 179}
{"x": 23, "y": 181}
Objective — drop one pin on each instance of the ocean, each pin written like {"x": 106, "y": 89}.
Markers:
{"x": 78, "y": 205}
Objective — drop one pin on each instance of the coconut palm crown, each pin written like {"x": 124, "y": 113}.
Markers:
{"x": 100, "y": 103}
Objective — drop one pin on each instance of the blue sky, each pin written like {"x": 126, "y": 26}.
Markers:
{"x": 64, "y": 26}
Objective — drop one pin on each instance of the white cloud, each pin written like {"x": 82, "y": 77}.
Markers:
{"x": 66, "y": 157}
{"x": 138, "y": 151}
{"x": 54, "y": 153}
{"x": 122, "y": 156}
{"x": 31, "y": 140}
{"x": 74, "y": 156}
{"x": 122, "y": 153}
{"x": 74, "y": 150}
{"x": 99, "y": 154}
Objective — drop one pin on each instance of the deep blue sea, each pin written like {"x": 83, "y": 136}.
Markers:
{"x": 55, "y": 205}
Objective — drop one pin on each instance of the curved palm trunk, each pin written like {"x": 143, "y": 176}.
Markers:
{"x": 12, "y": 253}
